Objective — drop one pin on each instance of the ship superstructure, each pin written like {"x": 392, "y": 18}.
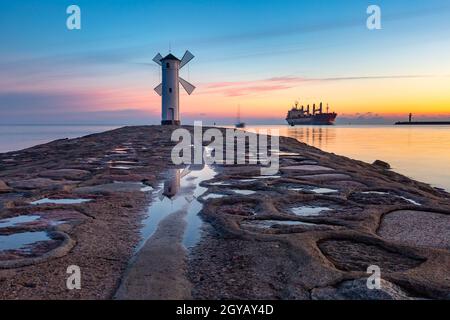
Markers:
{"x": 303, "y": 115}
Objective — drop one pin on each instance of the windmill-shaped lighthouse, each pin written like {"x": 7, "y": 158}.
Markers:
{"x": 169, "y": 89}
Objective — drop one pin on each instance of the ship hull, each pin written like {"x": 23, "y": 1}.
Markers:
{"x": 324, "y": 119}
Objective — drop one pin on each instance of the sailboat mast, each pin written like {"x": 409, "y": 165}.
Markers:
{"x": 239, "y": 114}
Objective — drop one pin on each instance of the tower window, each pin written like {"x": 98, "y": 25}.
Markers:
{"x": 167, "y": 65}
{"x": 170, "y": 90}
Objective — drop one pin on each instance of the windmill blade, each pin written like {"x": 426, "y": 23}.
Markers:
{"x": 187, "y": 86}
{"x": 158, "y": 89}
{"x": 158, "y": 58}
{"x": 186, "y": 58}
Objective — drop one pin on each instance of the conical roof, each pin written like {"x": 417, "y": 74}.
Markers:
{"x": 170, "y": 57}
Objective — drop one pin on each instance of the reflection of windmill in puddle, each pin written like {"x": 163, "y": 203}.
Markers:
{"x": 174, "y": 183}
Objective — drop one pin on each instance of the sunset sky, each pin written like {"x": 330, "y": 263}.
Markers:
{"x": 260, "y": 54}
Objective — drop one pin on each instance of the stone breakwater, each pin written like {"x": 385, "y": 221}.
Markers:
{"x": 309, "y": 232}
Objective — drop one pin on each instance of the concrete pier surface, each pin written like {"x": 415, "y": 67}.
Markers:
{"x": 112, "y": 204}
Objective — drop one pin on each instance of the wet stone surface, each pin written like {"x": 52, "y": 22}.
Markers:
{"x": 239, "y": 208}
{"x": 357, "y": 256}
{"x": 324, "y": 177}
{"x": 218, "y": 232}
{"x": 281, "y": 226}
{"x": 380, "y": 197}
{"x": 417, "y": 228}
{"x": 7, "y": 200}
{"x": 358, "y": 290}
{"x": 306, "y": 167}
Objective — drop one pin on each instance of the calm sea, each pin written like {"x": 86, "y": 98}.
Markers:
{"x": 422, "y": 153}
{"x": 419, "y": 152}
{"x": 19, "y": 137}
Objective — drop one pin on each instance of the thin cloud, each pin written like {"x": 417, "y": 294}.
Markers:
{"x": 376, "y": 77}
{"x": 316, "y": 27}
{"x": 243, "y": 88}
{"x": 235, "y": 92}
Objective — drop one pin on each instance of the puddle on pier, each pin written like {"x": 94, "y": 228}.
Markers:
{"x": 387, "y": 194}
{"x": 243, "y": 192}
{"x": 121, "y": 151}
{"x": 306, "y": 211}
{"x": 410, "y": 201}
{"x": 220, "y": 183}
{"x": 285, "y": 154}
{"x": 247, "y": 180}
{"x": 114, "y": 162}
{"x": 179, "y": 192}
{"x": 267, "y": 224}
{"x": 375, "y": 192}
{"x": 59, "y": 201}
{"x": 235, "y": 191}
{"x": 214, "y": 196}
{"x": 315, "y": 190}
{"x": 324, "y": 190}
{"x": 318, "y": 190}
{"x": 16, "y": 221}
{"x": 22, "y": 241}
{"x": 267, "y": 177}
{"x": 146, "y": 189}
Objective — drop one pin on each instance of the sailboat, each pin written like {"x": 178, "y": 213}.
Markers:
{"x": 239, "y": 123}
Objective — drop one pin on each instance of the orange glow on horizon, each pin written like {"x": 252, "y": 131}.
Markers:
{"x": 384, "y": 97}
{"x": 271, "y": 98}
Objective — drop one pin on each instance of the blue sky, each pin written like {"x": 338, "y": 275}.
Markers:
{"x": 50, "y": 74}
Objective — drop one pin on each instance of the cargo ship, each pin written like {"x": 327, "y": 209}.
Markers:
{"x": 303, "y": 116}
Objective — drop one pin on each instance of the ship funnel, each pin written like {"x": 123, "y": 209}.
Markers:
{"x": 320, "y": 108}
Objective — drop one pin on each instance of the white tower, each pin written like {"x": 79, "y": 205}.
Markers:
{"x": 169, "y": 89}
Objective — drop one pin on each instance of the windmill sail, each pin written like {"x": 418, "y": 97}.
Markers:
{"x": 187, "y": 86}
{"x": 158, "y": 58}
{"x": 158, "y": 89}
{"x": 186, "y": 58}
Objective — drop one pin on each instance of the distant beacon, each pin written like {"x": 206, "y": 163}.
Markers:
{"x": 169, "y": 89}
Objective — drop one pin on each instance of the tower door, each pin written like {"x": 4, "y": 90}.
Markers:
{"x": 171, "y": 114}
